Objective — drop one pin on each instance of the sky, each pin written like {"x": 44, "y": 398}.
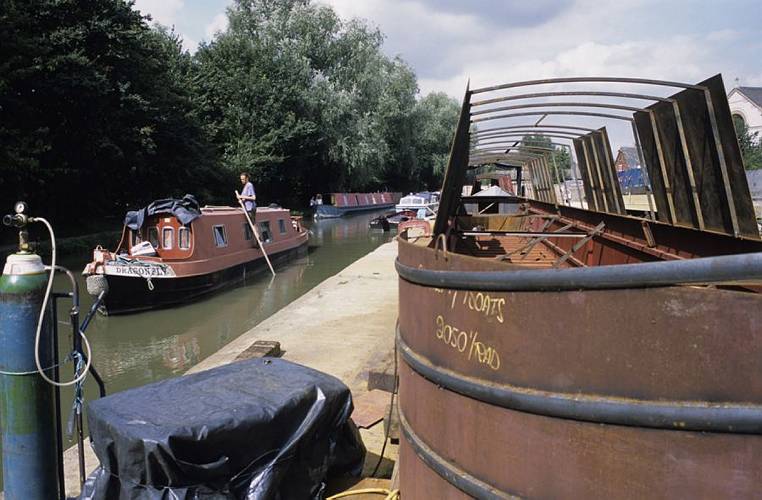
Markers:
{"x": 449, "y": 42}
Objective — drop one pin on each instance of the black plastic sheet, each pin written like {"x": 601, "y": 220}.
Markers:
{"x": 258, "y": 429}
{"x": 185, "y": 209}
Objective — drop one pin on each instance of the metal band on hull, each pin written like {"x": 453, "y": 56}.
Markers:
{"x": 619, "y": 392}
{"x": 722, "y": 269}
{"x": 672, "y": 415}
{"x": 451, "y": 473}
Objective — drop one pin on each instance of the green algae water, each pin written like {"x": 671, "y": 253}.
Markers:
{"x": 137, "y": 349}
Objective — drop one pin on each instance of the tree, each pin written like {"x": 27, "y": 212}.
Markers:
{"x": 308, "y": 102}
{"x": 559, "y": 160}
{"x": 436, "y": 116}
{"x": 102, "y": 112}
{"x": 751, "y": 146}
{"x": 95, "y": 113}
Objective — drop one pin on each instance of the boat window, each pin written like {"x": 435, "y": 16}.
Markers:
{"x": 282, "y": 226}
{"x": 264, "y": 231}
{"x": 183, "y": 238}
{"x": 135, "y": 238}
{"x": 153, "y": 236}
{"x": 167, "y": 238}
{"x": 247, "y": 235}
{"x": 220, "y": 238}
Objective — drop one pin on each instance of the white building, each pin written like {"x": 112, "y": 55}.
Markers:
{"x": 746, "y": 104}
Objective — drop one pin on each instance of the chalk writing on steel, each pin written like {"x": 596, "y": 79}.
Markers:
{"x": 477, "y": 301}
{"x": 485, "y": 304}
{"x": 467, "y": 343}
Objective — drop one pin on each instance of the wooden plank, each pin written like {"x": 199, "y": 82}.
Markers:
{"x": 260, "y": 349}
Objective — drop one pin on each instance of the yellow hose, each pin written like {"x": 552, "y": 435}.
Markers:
{"x": 390, "y": 494}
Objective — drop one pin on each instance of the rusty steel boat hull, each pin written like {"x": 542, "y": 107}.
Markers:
{"x": 609, "y": 393}
{"x": 569, "y": 349}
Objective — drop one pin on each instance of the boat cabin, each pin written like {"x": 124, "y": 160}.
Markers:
{"x": 219, "y": 231}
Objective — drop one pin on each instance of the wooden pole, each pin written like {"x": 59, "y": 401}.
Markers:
{"x": 254, "y": 229}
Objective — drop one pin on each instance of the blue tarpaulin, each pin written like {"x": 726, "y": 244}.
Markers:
{"x": 632, "y": 180}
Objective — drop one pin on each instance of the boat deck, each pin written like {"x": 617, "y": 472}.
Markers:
{"x": 512, "y": 250}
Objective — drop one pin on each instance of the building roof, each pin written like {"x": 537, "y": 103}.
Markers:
{"x": 754, "y": 94}
{"x": 630, "y": 156}
{"x": 492, "y": 191}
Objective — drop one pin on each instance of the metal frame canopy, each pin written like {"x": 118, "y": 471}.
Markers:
{"x": 686, "y": 143}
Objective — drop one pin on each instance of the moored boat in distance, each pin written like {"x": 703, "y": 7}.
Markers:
{"x": 342, "y": 204}
{"x": 172, "y": 253}
{"x": 416, "y": 201}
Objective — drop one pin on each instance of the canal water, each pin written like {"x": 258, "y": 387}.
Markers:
{"x": 136, "y": 349}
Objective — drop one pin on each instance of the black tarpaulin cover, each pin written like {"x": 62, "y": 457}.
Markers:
{"x": 186, "y": 210}
{"x": 257, "y": 429}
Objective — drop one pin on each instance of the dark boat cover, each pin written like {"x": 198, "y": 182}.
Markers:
{"x": 258, "y": 429}
{"x": 186, "y": 210}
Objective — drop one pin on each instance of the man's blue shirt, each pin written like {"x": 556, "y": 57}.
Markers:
{"x": 248, "y": 190}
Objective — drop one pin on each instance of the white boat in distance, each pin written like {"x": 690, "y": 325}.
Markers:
{"x": 425, "y": 199}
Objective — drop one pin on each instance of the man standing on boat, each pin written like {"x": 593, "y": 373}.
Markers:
{"x": 248, "y": 196}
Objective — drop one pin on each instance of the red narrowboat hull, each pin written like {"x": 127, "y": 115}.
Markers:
{"x": 216, "y": 250}
{"x": 129, "y": 294}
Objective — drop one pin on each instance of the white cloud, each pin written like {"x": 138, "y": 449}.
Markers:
{"x": 189, "y": 44}
{"x": 218, "y": 23}
{"x": 634, "y": 38}
{"x": 161, "y": 11}
{"x": 725, "y": 35}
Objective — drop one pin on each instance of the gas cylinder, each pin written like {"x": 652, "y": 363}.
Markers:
{"x": 27, "y": 415}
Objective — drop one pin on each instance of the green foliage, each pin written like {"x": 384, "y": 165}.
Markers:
{"x": 751, "y": 146}
{"x": 436, "y": 117}
{"x": 559, "y": 161}
{"x": 95, "y": 111}
{"x": 308, "y": 103}
{"x": 102, "y": 112}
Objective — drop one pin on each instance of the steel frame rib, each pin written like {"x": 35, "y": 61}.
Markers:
{"x": 588, "y": 79}
{"x": 528, "y": 144}
{"x": 523, "y": 144}
{"x": 502, "y": 152}
{"x": 559, "y": 104}
{"x": 500, "y": 135}
{"x": 523, "y": 134}
{"x": 588, "y": 93}
{"x": 563, "y": 113}
{"x": 534, "y": 126}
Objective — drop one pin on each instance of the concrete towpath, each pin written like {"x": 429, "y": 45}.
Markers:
{"x": 344, "y": 326}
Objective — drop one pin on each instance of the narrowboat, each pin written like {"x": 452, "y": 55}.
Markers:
{"x": 341, "y": 204}
{"x": 579, "y": 352}
{"x": 170, "y": 256}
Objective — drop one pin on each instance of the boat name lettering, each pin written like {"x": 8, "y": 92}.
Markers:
{"x": 140, "y": 270}
{"x": 462, "y": 341}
